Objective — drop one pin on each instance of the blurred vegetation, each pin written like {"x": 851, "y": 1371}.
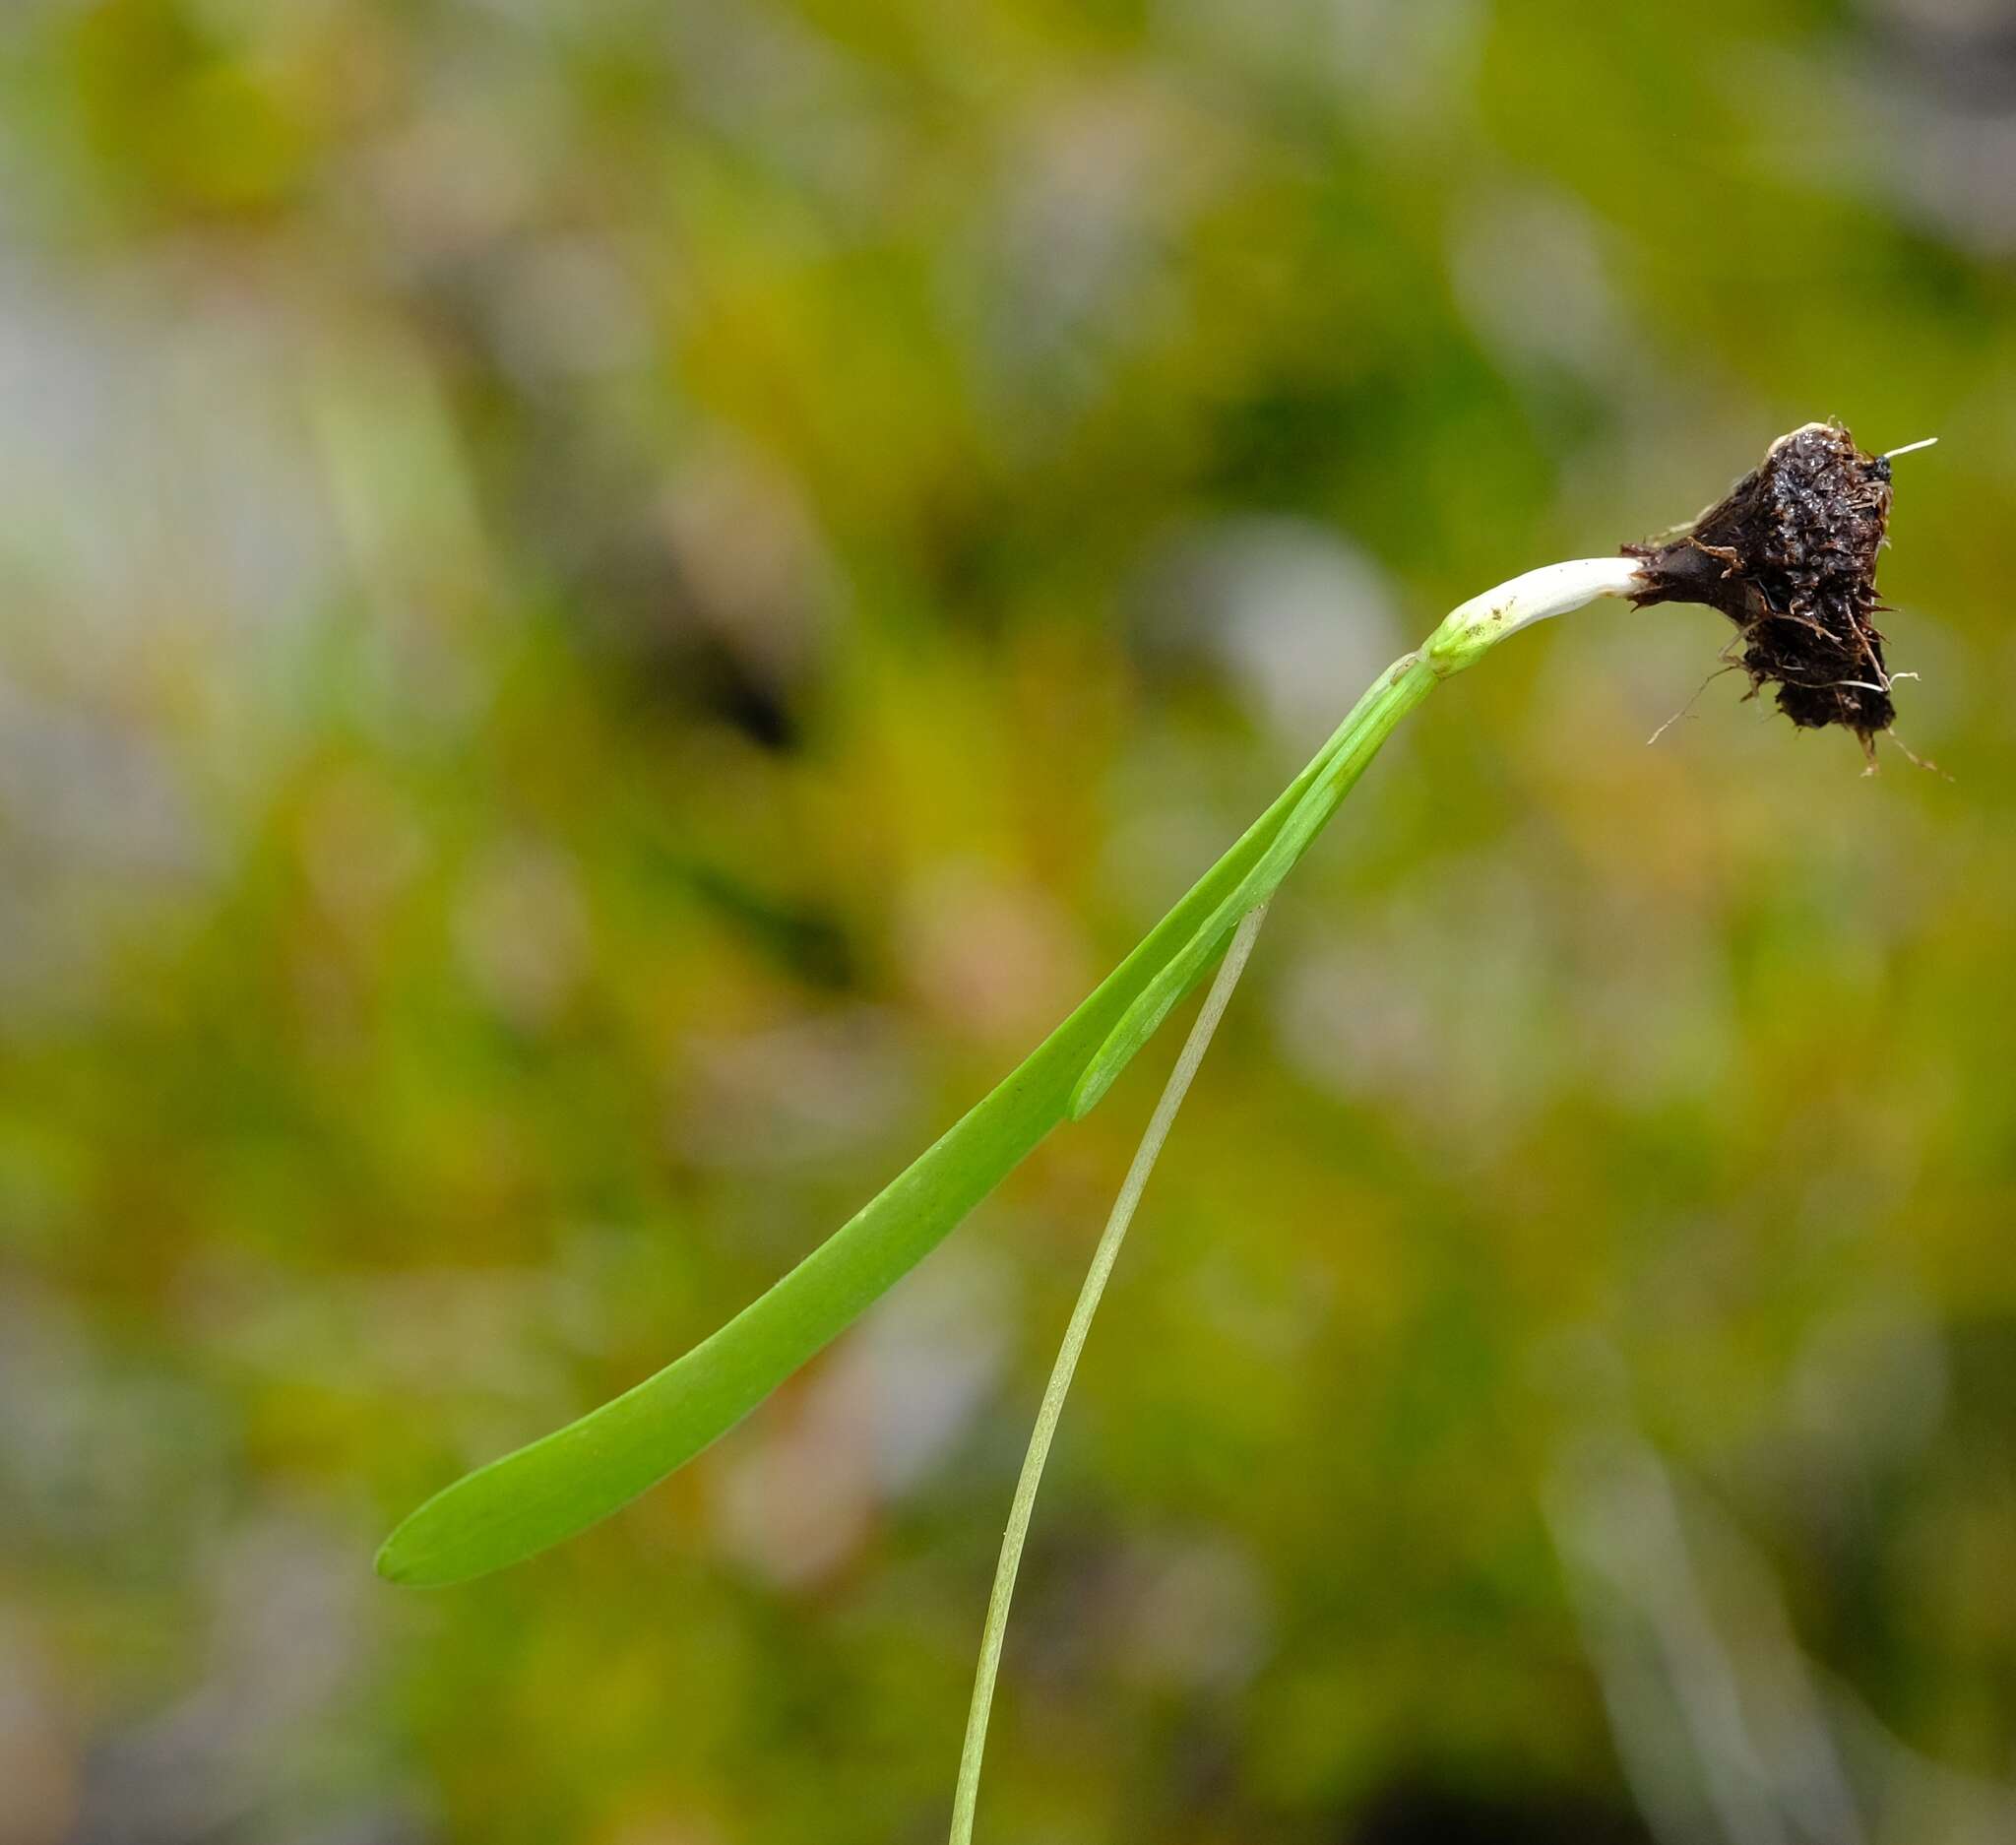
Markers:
{"x": 605, "y": 611}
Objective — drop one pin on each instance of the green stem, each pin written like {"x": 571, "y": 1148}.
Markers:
{"x": 1059, "y": 1386}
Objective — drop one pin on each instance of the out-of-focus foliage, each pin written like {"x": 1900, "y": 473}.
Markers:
{"x": 607, "y": 609}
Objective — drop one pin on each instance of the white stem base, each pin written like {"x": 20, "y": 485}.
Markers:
{"x": 1471, "y": 627}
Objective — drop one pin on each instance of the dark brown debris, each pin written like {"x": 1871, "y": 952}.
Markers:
{"x": 1790, "y": 556}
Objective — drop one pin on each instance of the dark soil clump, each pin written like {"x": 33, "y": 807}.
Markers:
{"x": 1790, "y": 556}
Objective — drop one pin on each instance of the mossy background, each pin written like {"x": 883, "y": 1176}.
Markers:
{"x": 606, "y": 611}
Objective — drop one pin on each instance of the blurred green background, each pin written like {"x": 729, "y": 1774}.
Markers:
{"x": 606, "y": 611}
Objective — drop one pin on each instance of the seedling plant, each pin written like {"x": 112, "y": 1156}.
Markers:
{"x": 1789, "y": 555}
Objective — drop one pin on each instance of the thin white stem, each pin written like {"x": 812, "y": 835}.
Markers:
{"x": 1059, "y": 1386}
{"x": 1471, "y": 628}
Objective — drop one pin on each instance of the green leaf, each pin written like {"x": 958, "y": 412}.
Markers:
{"x": 533, "y": 1498}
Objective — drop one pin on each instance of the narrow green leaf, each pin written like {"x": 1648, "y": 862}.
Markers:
{"x": 1397, "y": 692}
{"x": 529, "y": 1500}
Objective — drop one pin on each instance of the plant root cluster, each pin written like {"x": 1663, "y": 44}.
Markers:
{"x": 1790, "y": 556}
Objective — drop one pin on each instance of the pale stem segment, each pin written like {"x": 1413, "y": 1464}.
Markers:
{"x": 1471, "y": 629}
